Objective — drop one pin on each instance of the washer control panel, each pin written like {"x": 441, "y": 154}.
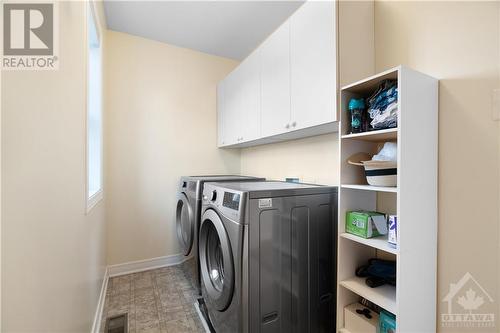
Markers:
{"x": 228, "y": 203}
{"x": 231, "y": 200}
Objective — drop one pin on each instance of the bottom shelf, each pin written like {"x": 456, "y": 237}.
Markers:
{"x": 383, "y": 296}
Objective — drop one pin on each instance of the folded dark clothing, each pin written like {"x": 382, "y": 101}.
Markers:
{"x": 384, "y": 98}
{"x": 386, "y": 93}
{"x": 384, "y": 85}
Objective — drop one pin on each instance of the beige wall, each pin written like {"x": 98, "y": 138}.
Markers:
{"x": 53, "y": 255}
{"x": 456, "y": 42}
{"x": 160, "y": 125}
{"x": 313, "y": 160}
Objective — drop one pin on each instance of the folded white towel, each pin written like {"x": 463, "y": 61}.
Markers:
{"x": 388, "y": 153}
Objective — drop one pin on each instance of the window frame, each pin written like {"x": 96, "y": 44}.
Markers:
{"x": 94, "y": 199}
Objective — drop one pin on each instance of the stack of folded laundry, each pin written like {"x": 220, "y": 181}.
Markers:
{"x": 383, "y": 105}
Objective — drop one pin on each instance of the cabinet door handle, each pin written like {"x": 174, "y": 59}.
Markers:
{"x": 287, "y": 125}
{"x": 294, "y": 124}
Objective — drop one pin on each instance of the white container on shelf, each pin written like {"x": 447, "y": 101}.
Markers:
{"x": 381, "y": 173}
{"x": 392, "y": 237}
{"x": 378, "y": 173}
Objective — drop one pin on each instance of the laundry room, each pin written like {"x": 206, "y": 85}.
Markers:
{"x": 250, "y": 166}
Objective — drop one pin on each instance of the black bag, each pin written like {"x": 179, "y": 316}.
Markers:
{"x": 378, "y": 272}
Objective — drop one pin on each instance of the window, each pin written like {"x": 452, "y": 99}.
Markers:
{"x": 94, "y": 112}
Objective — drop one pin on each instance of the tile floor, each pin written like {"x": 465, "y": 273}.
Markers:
{"x": 159, "y": 300}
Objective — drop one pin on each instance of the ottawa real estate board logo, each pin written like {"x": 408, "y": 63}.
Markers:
{"x": 30, "y": 36}
{"x": 468, "y": 305}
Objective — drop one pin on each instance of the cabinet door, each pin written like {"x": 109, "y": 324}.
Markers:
{"x": 250, "y": 112}
{"x": 275, "y": 76}
{"x": 232, "y": 101}
{"x": 313, "y": 64}
{"x": 220, "y": 114}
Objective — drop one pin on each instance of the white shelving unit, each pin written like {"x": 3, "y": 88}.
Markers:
{"x": 414, "y": 201}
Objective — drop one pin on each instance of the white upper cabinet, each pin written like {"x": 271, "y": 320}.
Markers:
{"x": 287, "y": 88}
{"x": 239, "y": 106}
{"x": 313, "y": 60}
{"x": 250, "y": 111}
{"x": 232, "y": 106}
{"x": 220, "y": 113}
{"x": 275, "y": 82}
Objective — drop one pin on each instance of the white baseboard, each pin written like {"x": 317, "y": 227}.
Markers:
{"x": 144, "y": 265}
{"x": 100, "y": 304}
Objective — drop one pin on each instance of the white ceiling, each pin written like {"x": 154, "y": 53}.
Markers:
{"x": 229, "y": 29}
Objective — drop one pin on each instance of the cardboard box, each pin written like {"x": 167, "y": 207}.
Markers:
{"x": 360, "y": 323}
{"x": 366, "y": 224}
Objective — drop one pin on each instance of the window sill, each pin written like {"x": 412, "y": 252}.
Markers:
{"x": 94, "y": 200}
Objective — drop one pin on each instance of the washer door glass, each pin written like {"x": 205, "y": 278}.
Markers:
{"x": 217, "y": 270}
{"x": 185, "y": 223}
{"x": 215, "y": 262}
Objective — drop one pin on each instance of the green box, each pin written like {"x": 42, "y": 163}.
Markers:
{"x": 366, "y": 224}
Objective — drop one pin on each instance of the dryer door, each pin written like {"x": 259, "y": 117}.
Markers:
{"x": 185, "y": 223}
{"x": 216, "y": 261}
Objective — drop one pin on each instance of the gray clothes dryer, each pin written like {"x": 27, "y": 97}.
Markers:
{"x": 188, "y": 211}
{"x": 267, "y": 256}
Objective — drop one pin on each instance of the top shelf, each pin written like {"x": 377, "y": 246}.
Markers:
{"x": 369, "y": 85}
{"x": 390, "y": 134}
{"x": 365, "y": 89}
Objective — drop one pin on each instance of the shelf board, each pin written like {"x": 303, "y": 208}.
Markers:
{"x": 390, "y": 134}
{"x": 384, "y": 296}
{"x": 371, "y": 83}
{"x": 379, "y": 243}
{"x": 371, "y": 188}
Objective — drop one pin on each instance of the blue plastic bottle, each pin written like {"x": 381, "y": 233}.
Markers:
{"x": 357, "y": 112}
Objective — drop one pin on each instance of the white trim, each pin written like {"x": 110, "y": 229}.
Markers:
{"x": 144, "y": 265}
{"x": 1, "y": 220}
{"x": 95, "y": 17}
{"x": 100, "y": 304}
{"x": 91, "y": 201}
{"x": 94, "y": 200}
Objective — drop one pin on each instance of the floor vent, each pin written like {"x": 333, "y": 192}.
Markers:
{"x": 117, "y": 324}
